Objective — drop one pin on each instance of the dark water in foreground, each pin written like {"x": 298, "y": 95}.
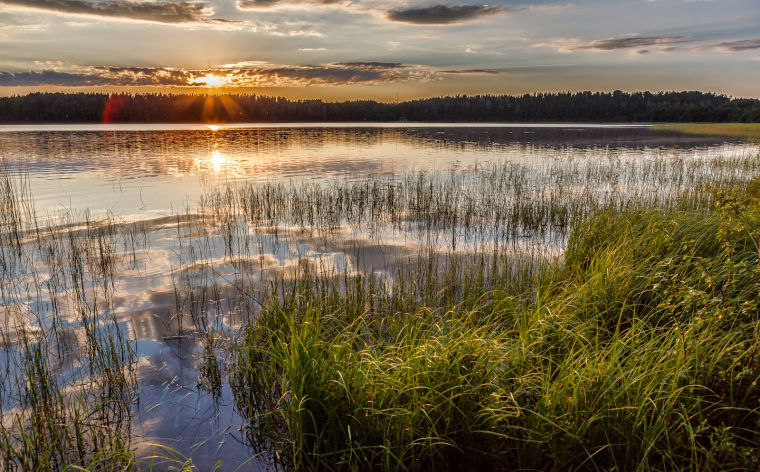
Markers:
{"x": 150, "y": 174}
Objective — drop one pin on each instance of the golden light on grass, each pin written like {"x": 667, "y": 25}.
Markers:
{"x": 748, "y": 131}
{"x": 213, "y": 127}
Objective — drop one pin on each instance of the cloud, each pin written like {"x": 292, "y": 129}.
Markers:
{"x": 171, "y": 12}
{"x": 641, "y": 44}
{"x": 613, "y": 44}
{"x": 441, "y": 14}
{"x": 318, "y": 75}
{"x": 264, "y": 4}
{"x": 22, "y": 27}
{"x": 48, "y": 77}
{"x": 11, "y": 32}
{"x": 262, "y": 75}
{"x": 471, "y": 72}
{"x": 299, "y": 32}
{"x": 256, "y": 4}
{"x": 373, "y": 65}
{"x": 342, "y": 73}
{"x": 96, "y": 77}
{"x": 738, "y": 46}
{"x": 638, "y": 45}
{"x": 245, "y": 65}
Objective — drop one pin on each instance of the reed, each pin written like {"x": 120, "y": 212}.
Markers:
{"x": 749, "y": 131}
{"x": 627, "y": 355}
{"x": 571, "y": 315}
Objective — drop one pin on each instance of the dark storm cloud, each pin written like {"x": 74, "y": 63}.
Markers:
{"x": 173, "y": 12}
{"x": 263, "y": 4}
{"x": 635, "y": 42}
{"x": 738, "y": 46}
{"x": 441, "y": 14}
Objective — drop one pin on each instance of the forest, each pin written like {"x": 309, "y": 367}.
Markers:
{"x": 615, "y": 107}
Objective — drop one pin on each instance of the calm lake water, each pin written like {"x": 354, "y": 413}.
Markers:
{"x": 151, "y": 174}
{"x": 139, "y": 171}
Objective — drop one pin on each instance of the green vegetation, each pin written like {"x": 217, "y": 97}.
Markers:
{"x": 637, "y": 352}
{"x": 570, "y": 316}
{"x": 580, "y": 107}
{"x": 68, "y": 384}
{"x": 749, "y": 131}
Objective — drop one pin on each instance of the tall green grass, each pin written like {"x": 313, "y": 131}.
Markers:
{"x": 636, "y": 351}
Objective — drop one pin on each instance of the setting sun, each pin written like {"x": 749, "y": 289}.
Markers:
{"x": 210, "y": 80}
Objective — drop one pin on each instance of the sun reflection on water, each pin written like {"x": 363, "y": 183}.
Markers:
{"x": 217, "y": 160}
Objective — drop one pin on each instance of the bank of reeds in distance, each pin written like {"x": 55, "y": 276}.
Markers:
{"x": 748, "y": 131}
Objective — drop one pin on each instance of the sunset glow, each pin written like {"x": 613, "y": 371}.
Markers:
{"x": 386, "y": 51}
{"x": 212, "y": 81}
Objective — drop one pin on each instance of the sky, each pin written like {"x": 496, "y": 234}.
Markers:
{"x": 380, "y": 50}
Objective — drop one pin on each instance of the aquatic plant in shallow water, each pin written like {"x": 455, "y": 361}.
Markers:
{"x": 469, "y": 345}
{"x": 637, "y": 352}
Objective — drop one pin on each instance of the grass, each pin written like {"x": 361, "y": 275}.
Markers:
{"x": 69, "y": 385}
{"x": 631, "y": 345}
{"x": 748, "y": 131}
{"x": 637, "y": 352}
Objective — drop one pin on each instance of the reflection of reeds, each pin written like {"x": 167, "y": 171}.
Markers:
{"x": 432, "y": 321}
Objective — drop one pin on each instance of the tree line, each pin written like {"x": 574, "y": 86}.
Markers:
{"x": 611, "y": 107}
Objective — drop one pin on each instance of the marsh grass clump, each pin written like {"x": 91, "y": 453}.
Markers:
{"x": 672, "y": 297}
{"x": 636, "y": 351}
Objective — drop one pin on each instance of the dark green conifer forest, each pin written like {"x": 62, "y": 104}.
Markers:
{"x": 615, "y": 107}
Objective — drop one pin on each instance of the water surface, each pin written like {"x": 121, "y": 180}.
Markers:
{"x": 155, "y": 176}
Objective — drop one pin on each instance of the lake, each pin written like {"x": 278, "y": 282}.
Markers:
{"x": 190, "y": 226}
